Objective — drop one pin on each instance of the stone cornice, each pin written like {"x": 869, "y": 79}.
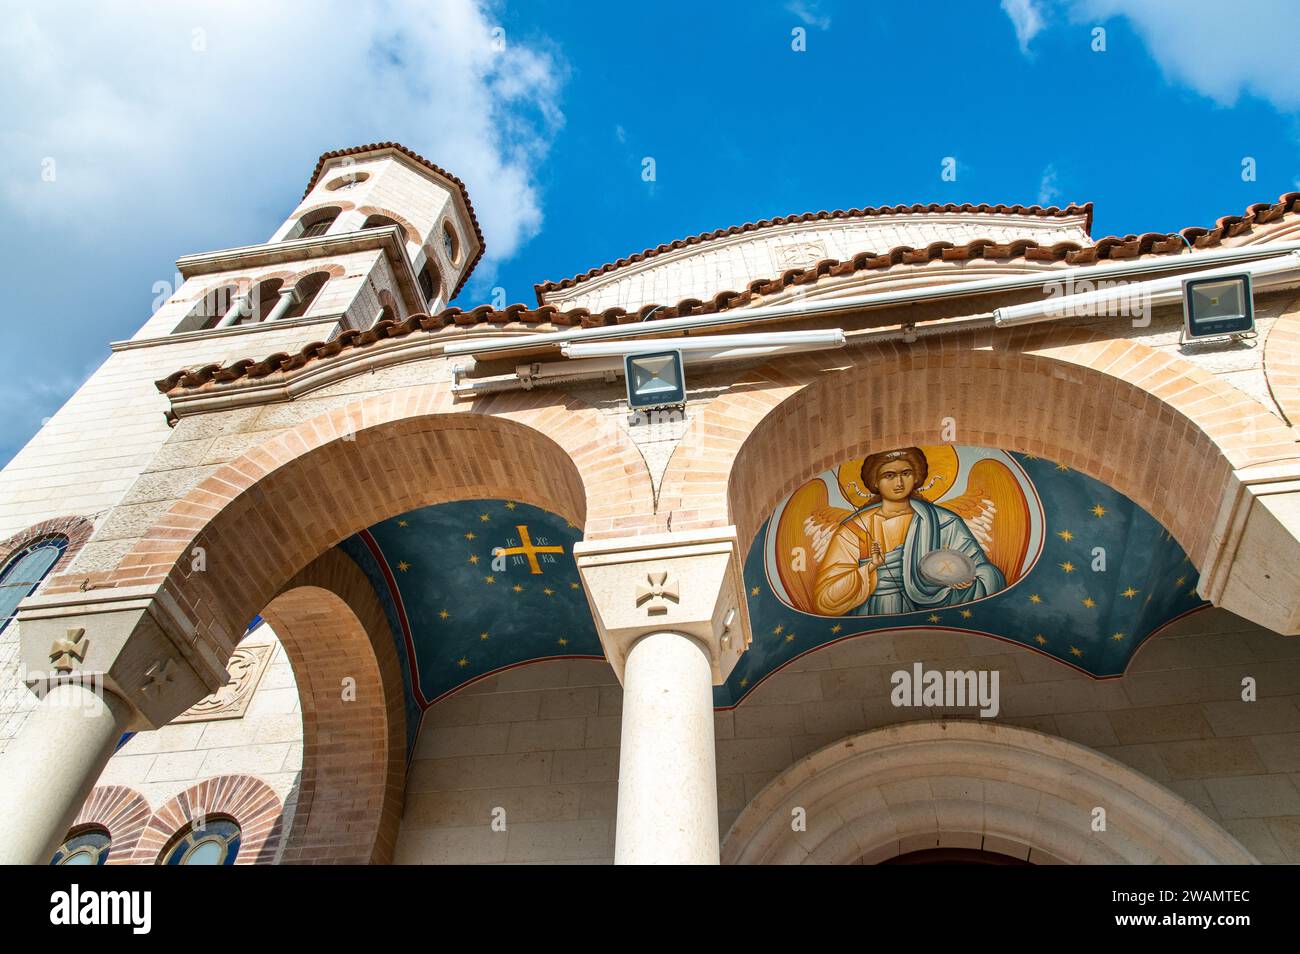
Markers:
{"x": 388, "y": 240}
{"x": 235, "y": 331}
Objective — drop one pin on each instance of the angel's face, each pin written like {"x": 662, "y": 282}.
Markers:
{"x": 896, "y": 480}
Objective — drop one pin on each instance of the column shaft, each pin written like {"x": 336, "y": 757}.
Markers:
{"x": 667, "y": 779}
{"x": 238, "y": 309}
{"x": 288, "y": 298}
{"x": 50, "y": 767}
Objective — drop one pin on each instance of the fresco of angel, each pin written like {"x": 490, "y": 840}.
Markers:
{"x": 905, "y": 548}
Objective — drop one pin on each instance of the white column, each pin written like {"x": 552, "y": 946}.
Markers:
{"x": 667, "y": 779}
{"x": 238, "y": 309}
{"x": 51, "y": 766}
{"x": 288, "y": 298}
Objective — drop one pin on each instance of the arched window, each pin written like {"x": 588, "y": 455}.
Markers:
{"x": 430, "y": 283}
{"x": 314, "y": 223}
{"x": 215, "y": 842}
{"x": 209, "y": 310}
{"x": 23, "y": 572}
{"x": 263, "y": 299}
{"x": 308, "y": 290}
{"x": 87, "y": 845}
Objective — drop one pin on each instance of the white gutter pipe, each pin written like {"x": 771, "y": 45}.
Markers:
{"x": 757, "y": 343}
{"x": 605, "y": 360}
{"x": 1136, "y": 298}
{"x": 1106, "y": 271}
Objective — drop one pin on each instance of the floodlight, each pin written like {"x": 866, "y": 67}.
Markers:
{"x": 1221, "y": 305}
{"x": 654, "y": 379}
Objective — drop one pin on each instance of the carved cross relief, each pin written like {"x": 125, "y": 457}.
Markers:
{"x": 63, "y": 651}
{"x": 656, "y": 592}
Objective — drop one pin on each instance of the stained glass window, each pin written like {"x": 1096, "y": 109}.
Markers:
{"x": 88, "y": 847}
{"x": 23, "y": 572}
{"x": 215, "y": 842}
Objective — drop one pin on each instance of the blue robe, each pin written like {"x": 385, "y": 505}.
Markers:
{"x": 900, "y": 588}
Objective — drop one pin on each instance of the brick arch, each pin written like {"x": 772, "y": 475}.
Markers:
{"x": 283, "y": 274}
{"x": 412, "y": 233}
{"x": 333, "y": 270}
{"x": 249, "y": 801}
{"x": 1282, "y": 362}
{"x": 343, "y": 205}
{"x": 1152, "y": 425}
{"x": 238, "y": 282}
{"x": 123, "y": 812}
{"x": 333, "y": 628}
{"x": 75, "y": 529}
{"x": 266, "y": 515}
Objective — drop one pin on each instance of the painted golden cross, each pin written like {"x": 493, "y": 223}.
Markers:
{"x": 528, "y": 549}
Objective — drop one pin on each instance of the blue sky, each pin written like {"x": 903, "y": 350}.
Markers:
{"x": 183, "y": 127}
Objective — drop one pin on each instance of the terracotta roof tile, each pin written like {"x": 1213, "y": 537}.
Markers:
{"x": 1110, "y": 248}
{"x": 869, "y": 212}
{"x": 398, "y": 147}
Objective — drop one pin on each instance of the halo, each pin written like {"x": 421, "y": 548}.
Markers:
{"x": 944, "y": 467}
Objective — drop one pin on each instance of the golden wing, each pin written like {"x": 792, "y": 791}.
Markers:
{"x": 802, "y": 536}
{"x": 997, "y": 513}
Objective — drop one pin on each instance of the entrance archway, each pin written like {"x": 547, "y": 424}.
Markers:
{"x": 349, "y": 679}
{"x": 261, "y": 518}
{"x": 974, "y": 784}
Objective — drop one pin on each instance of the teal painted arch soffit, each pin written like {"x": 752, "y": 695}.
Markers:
{"x": 987, "y": 542}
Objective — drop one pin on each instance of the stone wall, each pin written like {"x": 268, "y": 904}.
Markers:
{"x": 541, "y": 741}
{"x": 265, "y": 742}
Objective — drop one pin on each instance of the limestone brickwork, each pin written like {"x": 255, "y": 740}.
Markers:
{"x": 541, "y": 742}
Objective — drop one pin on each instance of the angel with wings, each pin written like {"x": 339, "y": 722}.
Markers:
{"x": 900, "y": 552}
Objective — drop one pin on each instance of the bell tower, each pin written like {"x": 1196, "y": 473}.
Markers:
{"x": 379, "y": 234}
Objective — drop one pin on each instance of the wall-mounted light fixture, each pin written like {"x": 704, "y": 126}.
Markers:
{"x": 1222, "y": 305}
{"x": 654, "y": 379}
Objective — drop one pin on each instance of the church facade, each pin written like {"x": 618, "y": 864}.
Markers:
{"x": 942, "y": 542}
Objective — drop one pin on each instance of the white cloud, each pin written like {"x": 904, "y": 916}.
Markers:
{"x": 163, "y": 102}
{"x": 1047, "y": 188}
{"x": 808, "y": 11}
{"x": 1220, "y": 50}
{"x": 177, "y": 128}
{"x": 1026, "y": 17}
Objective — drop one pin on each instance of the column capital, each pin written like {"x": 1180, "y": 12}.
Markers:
{"x": 687, "y": 583}
{"x": 132, "y": 640}
{"x": 1252, "y": 563}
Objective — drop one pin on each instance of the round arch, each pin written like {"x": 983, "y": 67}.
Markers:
{"x": 1154, "y": 426}
{"x": 265, "y": 516}
{"x": 951, "y": 784}
{"x": 349, "y": 680}
{"x": 1282, "y": 361}
{"x": 411, "y": 233}
{"x": 122, "y": 812}
{"x": 249, "y": 801}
